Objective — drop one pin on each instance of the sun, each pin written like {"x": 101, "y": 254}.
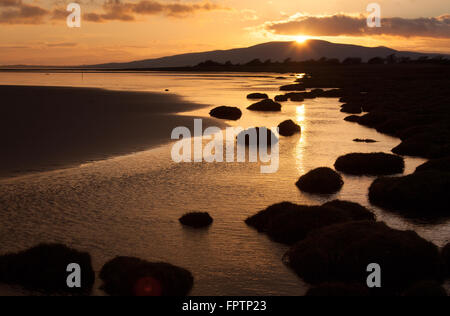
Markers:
{"x": 301, "y": 38}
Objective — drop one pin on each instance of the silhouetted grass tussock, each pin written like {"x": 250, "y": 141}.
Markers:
{"x": 226, "y": 113}
{"x": 129, "y": 276}
{"x": 257, "y": 96}
{"x": 425, "y": 288}
{"x": 296, "y": 96}
{"x": 252, "y": 136}
{"x": 368, "y": 140}
{"x": 288, "y": 223}
{"x": 442, "y": 164}
{"x": 370, "y": 164}
{"x": 423, "y": 194}
{"x": 353, "y": 211}
{"x": 288, "y": 128}
{"x": 293, "y": 87}
{"x": 266, "y": 105}
{"x": 281, "y": 98}
{"x": 196, "y": 219}
{"x": 342, "y": 252}
{"x": 321, "y": 181}
{"x": 352, "y": 118}
{"x": 351, "y": 108}
{"x": 43, "y": 268}
{"x": 446, "y": 259}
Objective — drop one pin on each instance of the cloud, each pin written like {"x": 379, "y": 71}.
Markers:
{"x": 59, "y": 14}
{"x": 14, "y": 47}
{"x": 115, "y": 10}
{"x": 249, "y": 15}
{"x": 10, "y": 3}
{"x": 16, "y": 12}
{"x": 351, "y": 25}
{"x": 62, "y": 44}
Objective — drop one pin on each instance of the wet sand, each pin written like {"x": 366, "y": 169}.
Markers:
{"x": 44, "y": 128}
{"x": 130, "y": 205}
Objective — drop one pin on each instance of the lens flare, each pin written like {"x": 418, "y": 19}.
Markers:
{"x": 147, "y": 286}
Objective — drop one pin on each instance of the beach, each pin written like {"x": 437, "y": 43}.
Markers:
{"x": 129, "y": 204}
{"x": 44, "y": 128}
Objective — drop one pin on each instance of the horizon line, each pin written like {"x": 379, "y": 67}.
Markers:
{"x": 220, "y": 50}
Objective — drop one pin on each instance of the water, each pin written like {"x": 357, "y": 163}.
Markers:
{"x": 130, "y": 205}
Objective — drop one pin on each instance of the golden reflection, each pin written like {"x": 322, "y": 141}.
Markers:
{"x": 302, "y": 142}
{"x": 300, "y": 110}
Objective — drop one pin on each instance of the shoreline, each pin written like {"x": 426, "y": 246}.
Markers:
{"x": 54, "y": 196}
{"x": 47, "y": 128}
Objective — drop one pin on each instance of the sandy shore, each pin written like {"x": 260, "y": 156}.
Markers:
{"x": 44, "y": 128}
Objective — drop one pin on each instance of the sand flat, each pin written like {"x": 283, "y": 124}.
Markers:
{"x": 44, "y": 128}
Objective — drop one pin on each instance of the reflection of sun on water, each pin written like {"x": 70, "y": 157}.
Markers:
{"x": 300, "y": 110}
{"x": 299, "y": 150}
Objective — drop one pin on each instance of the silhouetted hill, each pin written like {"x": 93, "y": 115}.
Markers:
{"x": 275, "y": 51}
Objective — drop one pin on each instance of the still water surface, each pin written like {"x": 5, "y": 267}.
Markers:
{"x": 130, "y": 205}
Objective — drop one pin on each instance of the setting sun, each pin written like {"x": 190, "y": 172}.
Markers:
{"x": 301, "y": 38}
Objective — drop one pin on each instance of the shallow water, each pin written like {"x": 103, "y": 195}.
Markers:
{"x": 130, "y": 205}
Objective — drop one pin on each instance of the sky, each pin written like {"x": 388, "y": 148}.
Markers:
{"x": 35, "y": 32}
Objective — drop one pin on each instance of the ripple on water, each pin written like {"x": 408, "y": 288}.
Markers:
{"x": 130, "y": 205}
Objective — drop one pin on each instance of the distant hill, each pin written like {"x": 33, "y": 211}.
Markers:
{"x": 276, "y": 51}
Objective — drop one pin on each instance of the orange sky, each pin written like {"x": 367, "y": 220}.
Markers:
{"x": 35, "y": 31}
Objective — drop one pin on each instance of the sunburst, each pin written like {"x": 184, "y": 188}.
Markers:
{"x": 301, "y": 38}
